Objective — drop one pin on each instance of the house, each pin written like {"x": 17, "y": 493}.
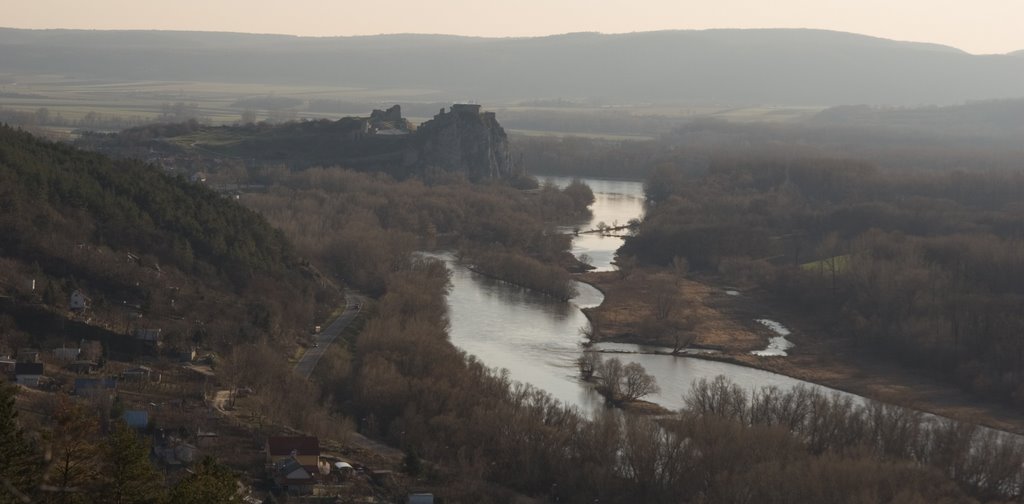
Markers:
{"x": 173, "y": 451}
{"x": 28, "y": 355}
{"x": 140, "y": 374}
{"x": 78, "y": 301}
{"x": 148, "y": 336}
{"x": 64, "y": 354}
{"x": 197, "y": 177}
{"x": 136, "y": 419}
{"x": 187, "y": 355}
{"x": 202, "y": 435}
{"x": 7, "y": 367}
{"x": 343, "y": 469}
{"x": 290, "y": 476}
{"x": 420, "y": 498}
{"x": 304, "y": 449}
{"x": 28, "y": 374}
{"x": 92, "y": 386}
{"x": 83, "y": 367}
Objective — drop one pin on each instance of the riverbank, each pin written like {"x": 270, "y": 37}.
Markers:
{"x": 638, "y": 306}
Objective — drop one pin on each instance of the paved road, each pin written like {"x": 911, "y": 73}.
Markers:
{"x": 309, "y": 360}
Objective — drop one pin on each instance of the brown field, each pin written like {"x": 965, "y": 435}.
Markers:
{"x": 628, "y": 302}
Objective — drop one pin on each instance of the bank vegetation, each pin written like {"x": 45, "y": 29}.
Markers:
{"x": 919, "y": 267}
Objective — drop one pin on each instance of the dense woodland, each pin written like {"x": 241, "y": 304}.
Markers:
{"x": 920, "y": 264}
{"x": 364, "y": 226}
{"x": 149, "y": 250}
{"x": 411, "y": 387}
{"x": 924, "y": 267}
{"x": 472, "y": 427}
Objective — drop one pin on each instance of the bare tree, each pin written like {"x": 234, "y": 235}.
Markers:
{"x": 637, "y": 383}
{"x": 680, "y": 266}
{"x": 610, "y": 373}
{"x": 832, "y": 262}
{"x": 664, "y": 303}
{"x": 588, "y": 363}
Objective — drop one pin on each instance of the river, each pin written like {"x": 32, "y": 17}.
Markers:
{"x": 537, "y": 338}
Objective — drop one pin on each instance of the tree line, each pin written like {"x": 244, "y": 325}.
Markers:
{"x": 412, "y": 388}
{"x": 471, "y": 427}
{"x": 365, "y": 226}
{"x": 139, "y": 242}
{"x": 923, "y": 266}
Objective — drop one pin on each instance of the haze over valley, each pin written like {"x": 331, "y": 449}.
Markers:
{"x": 687, "y": 265}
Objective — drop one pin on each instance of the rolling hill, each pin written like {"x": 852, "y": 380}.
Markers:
{"x": 149, "y": 250}
{"x": 777, "y": 66}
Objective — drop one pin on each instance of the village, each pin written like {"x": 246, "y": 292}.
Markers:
{"x": 174, "y": 401}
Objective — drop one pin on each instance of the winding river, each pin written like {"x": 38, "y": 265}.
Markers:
{"x": 537, "y": 339}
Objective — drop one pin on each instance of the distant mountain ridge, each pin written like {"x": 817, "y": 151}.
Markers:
{"x": 776, "y": 66}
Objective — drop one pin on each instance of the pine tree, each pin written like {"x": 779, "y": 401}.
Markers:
{"x": 19, "y": 465}
{"x": 212, "y": 483}
{"x": 130, "y": 477}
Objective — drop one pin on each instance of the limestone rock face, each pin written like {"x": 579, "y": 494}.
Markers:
{"x": 464, "y": 140}
{"x": 389, "y": 120}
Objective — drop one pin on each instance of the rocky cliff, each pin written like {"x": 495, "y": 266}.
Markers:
{"x": 463, "y": 140}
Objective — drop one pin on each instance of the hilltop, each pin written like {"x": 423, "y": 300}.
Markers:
{"x": 776, "y": 66}
{"x": 462, "y": 140}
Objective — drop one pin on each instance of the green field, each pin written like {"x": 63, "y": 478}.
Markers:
{"x": 72, "y": 100}
{"x": 99, "y": 105}
{"x": 842, "y": 262}
{"x": 598, "y": 136}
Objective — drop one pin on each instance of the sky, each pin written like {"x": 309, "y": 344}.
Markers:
{"x": 975, "y": 26}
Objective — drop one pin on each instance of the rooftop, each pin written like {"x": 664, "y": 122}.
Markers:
{"x": 300, "y": 445}
{"x": 28, "y": 368}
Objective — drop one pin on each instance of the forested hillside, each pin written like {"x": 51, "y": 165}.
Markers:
{"x": 366, "y": 226}
{"x": 137, "y": 240}
{"x": 481, "y": 435}
{"x": 925, "y": 267}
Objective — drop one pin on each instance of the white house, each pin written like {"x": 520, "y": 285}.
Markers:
{"x": 66, "y": 354}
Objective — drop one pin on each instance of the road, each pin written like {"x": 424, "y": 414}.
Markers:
{"x": 307, "y": 363}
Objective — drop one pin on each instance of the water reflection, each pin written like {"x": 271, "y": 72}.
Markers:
{"x": 615, "y": 203}
{"x": 537, "y": 338}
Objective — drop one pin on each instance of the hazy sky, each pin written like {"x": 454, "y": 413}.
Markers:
{"x": 977, "y": 26}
